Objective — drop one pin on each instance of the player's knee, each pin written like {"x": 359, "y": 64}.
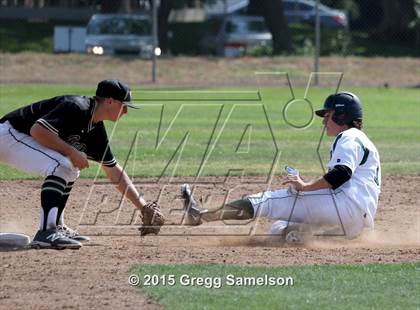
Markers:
{"x": 67, "y": 171}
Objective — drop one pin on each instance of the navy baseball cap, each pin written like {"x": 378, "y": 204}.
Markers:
{"x": 117, "y": 90}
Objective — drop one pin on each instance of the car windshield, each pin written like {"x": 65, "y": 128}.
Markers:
{"x": 119, "y": 25}
{"x": 245, "y": 26}
{"x": 294, "y": 5}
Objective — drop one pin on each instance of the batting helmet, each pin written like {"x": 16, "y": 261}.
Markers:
{"x": 347, "y": 107}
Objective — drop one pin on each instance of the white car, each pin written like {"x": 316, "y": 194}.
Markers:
{"x": 119, "y": 34}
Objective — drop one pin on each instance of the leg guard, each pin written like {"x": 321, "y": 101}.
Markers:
{"x": 241, "y": 209}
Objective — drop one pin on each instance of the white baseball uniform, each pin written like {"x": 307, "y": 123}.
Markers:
{"x": 353, "y": 204}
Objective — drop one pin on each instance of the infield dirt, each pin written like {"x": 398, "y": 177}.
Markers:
{"x": 96, "y": 275}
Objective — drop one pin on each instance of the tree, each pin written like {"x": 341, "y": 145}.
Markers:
{"x": 110, "y": 6}
{"x": 272, "y": 11}
{"x": 119, "y": 6}
{"x": 415, "y": 23}
{"x": 397, "y": 17}
{"x": 163, "y": 24}
{"x": 165, "y": 8}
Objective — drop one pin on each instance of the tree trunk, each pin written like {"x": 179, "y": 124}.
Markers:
{"x": 110, "y": 6}
{"x": 272, "y": 11}
{"x": 125, "y": 6}
{"x": 163, "y": 24}
{"x": 397, "y": 16}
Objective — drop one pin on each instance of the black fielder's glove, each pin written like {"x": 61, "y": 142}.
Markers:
{"x": 153, "y": 219}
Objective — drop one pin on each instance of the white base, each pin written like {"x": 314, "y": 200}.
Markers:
{"x": 8, "y": 240}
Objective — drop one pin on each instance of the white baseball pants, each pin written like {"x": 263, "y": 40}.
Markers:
{"x": 25, "y": 153}
{"x": 315, "y": 208}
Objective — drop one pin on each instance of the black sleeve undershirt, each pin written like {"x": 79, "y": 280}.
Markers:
{"x": 337, "y": 176}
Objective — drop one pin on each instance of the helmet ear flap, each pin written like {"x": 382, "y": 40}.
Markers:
{"x": 339, "y": 117}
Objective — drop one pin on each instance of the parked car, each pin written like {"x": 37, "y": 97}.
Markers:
{"x": 119, "y": 34}
{"x": 303, "y": 11}
{"x": 235, "y": 35}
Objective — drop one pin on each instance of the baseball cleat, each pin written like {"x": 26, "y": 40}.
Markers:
{"x": 193, "y": 212}
{"x": 54, "y": 239}
{"x": 279, "y": 228}
{"x": 295, "y": 237}
{"x": 72, "y": 234}
{"x": 298, "y": 233}
{"x": 290, "y": 232}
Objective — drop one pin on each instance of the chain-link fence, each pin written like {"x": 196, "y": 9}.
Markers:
{"x": 374, "y": 28}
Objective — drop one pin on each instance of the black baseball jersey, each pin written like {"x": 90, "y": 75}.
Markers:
{"x": 69, "y": 117}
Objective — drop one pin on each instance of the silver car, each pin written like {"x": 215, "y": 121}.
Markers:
{"x": 304, "y": 11}
{"x": 119, "y": 34}
{"x": 235, "y": 35}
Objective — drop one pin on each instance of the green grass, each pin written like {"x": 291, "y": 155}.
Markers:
{"x": 236, "y": 135}
{"x": 373, "y": 286}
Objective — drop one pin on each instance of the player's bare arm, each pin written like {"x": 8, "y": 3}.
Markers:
{"x": 153, "y": 218}
{"x": 297, "y": 183}
{"x": 124, "y": 185}
{"x": 54, "y": 142}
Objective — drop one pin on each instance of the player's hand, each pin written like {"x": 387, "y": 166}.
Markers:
{"x": 295, "y": 181}
{"x": 79, "y": 159}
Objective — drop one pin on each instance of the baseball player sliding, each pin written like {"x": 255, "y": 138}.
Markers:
{"x": 345, "y": 197}
{"x": 55, "y": 138}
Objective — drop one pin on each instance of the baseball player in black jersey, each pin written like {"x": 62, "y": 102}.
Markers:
{"x": 55, "y": 138}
